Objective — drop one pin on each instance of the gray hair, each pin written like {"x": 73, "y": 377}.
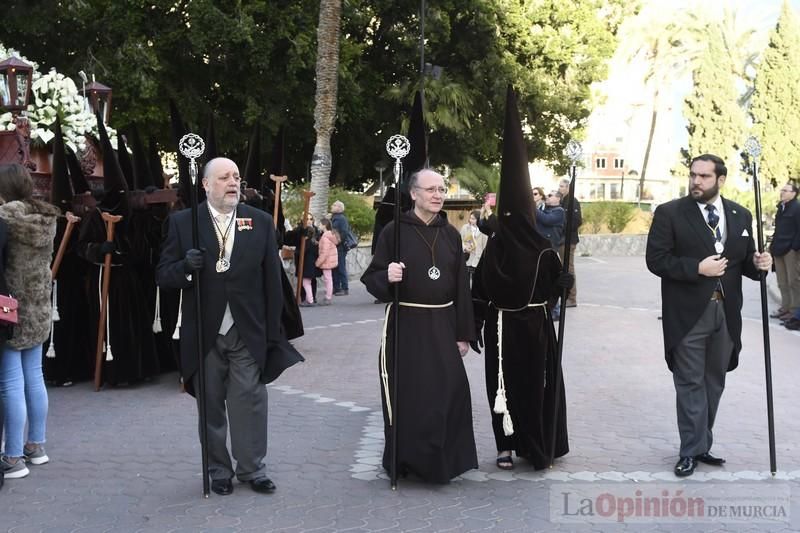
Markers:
{"x": 564, "y": 181}
{"x": 337, "y": 207}
{"x": 414, "y": 177}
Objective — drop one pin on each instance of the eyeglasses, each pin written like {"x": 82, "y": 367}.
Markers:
{"x": 432, "y": 190}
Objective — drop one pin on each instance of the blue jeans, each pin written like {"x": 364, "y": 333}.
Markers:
{"x": 25, "y": 397}
{"x": 340, "y": 273}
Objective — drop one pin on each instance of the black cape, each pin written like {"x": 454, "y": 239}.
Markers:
{"x": 434, "y": 411}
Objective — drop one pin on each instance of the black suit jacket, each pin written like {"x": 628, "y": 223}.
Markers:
{"x": 252, "y": 287}
{"x": 787, "y": 229}
{"x": 679, "y": 239}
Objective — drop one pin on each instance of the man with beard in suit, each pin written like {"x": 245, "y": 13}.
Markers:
{"x": 239, "y": 275}
{"x": 701, "y": 246}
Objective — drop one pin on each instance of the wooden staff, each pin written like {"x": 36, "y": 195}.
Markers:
{"x": 62, "y": 248}
{"x": 110, "y": 221}
{"x": 278, "y": 181}
{"x": 306, "y": 200}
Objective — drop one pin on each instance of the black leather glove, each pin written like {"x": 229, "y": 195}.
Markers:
{"x": 565, "y": 280}
{"x": 194, "y": 260}
{"x": 477, "y": 344}
{"x": 106, "y": 248}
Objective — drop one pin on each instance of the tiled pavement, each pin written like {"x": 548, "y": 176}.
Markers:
{"x": 127, "y": 459}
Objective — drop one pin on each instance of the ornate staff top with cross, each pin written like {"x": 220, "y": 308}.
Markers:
{"x": 752, "y": 147}
{"x": 397, "y": 147}
{"x": 574, "y": 151}
{"x": 192, "y": 147}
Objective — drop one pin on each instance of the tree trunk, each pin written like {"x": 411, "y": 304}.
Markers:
{"x": 330, "y": 13}
{"x": 649, "y": 145}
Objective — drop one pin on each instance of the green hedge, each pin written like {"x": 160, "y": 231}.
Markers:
{"x": 356, "y": 208}
{"x": 613, "y": 215}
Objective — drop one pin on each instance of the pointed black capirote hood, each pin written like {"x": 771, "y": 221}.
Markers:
{"x": 252, "y": 168}
{"x": 154, "y": 163}
{"x": 60, "y": 188}
{"x": 511, "y": 255}
{"x": 141, "y": 169}
{"x": 115, "y": 188}
{"x": 277, "y": 164}
{"x": 79, "y": 182}
{"x": 125, "y": 162}
{"x": 416, "y": 159}
{"x": 212, "y": 149}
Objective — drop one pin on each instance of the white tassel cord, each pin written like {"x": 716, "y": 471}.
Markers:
{"x": 56, "y": 316}
{"x": 384, "y": 370}
{"x": 176, "y": 335}
{"x": 157, "y": 320}
{"x": 106, "y": 341}
{"x": 500, "y": 400}
{"x": 51, "y": 351}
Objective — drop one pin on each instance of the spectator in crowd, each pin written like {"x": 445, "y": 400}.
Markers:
{"x": 550, "y": 219}
{"x": 341, "y": 286}
{"x": 785, "y": 250}
{"x": 5, "y": 329}
{"x": 577, "y": 220}
{"x": 328, "y": 258}
{"x": 31, "y": 229}
{"x": 472, "y": 242}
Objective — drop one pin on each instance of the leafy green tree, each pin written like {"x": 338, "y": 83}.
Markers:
{"x": 716, "y": 121}
{"x": 478, "y": 178}
{"x": 776, "y": 101}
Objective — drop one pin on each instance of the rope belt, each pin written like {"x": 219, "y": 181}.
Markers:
{"x": 384, "y": 370}
{"x": 500, "y": 400}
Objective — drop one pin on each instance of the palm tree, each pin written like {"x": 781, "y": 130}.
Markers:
{"x": 669, "y": 45}
{"x": 328, "y": 30}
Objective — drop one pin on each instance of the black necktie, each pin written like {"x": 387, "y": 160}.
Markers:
{"x": 713, "y": 221}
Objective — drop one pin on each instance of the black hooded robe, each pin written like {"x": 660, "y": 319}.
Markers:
{"x": 434, "y": 411}
{"x": 71, "y": 333}
{"x": 529, "y": 363}
{"x": 130, "y": 321}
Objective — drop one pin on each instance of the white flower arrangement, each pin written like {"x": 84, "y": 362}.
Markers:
{"x": 56, "y": 96}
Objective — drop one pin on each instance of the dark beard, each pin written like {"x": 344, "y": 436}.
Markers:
{"x": 704, "y": 197}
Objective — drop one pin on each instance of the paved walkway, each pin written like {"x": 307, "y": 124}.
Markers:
{"x": 127, "y": 459}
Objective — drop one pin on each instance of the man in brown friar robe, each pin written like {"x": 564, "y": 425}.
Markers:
{"x": 515, "y": 286}
{"x": 433, "y": 414}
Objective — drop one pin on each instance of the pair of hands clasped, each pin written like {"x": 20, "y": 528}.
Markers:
{"x": 394, "y": 273}
{"x": 714, "y": 266}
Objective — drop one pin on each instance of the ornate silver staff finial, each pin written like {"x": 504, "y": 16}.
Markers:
{"x": 574, "y": 151}
{"x": 752, "y": 147}
{"x": 397, "y": 147}
{"x": 192, "y": 147}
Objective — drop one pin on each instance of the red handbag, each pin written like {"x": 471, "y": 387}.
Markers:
{"x": 8, "y": 310}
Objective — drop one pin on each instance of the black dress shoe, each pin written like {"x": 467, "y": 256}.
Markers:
{"x": 709, "y": 459}
{"x": 223, "y": 487}
{"x": 792, "y": 323}
{"x": 263, "y": 485}
{"x": 685, "y": 466}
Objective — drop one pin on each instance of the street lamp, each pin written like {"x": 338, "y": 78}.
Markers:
{"x": 15, "y": 84}
{"x": 100, "y": 99}
{"x": 380, "y": 166}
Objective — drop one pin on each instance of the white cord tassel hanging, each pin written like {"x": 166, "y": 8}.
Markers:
{"x": 107, "y": 341}
{"x": 56, "y": 316}
{"x": 500, "y": 400}
{"x": 157, "y": 320}
{"x": 51, "y": 351}
{"x": 176, "y": 335}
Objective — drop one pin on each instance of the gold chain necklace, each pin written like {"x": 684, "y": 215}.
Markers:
{"x": 222, "y": 238}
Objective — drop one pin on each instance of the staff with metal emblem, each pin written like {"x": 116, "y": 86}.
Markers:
{"x": 753, "y": 149}
{"x": 574, "y": 153}
{"x": 192, "y": 147}
{"x": 397, "y": 147}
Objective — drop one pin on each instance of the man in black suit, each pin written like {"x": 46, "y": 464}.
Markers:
{"x": 701, "y": 246}
{"x": 239, "y": 276}
{"x": 785, "y": 248}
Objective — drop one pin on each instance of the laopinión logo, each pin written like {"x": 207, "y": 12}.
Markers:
{"x": 670, "y": 502}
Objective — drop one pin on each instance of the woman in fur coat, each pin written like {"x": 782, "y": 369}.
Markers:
{"x": 31, "y": 229}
